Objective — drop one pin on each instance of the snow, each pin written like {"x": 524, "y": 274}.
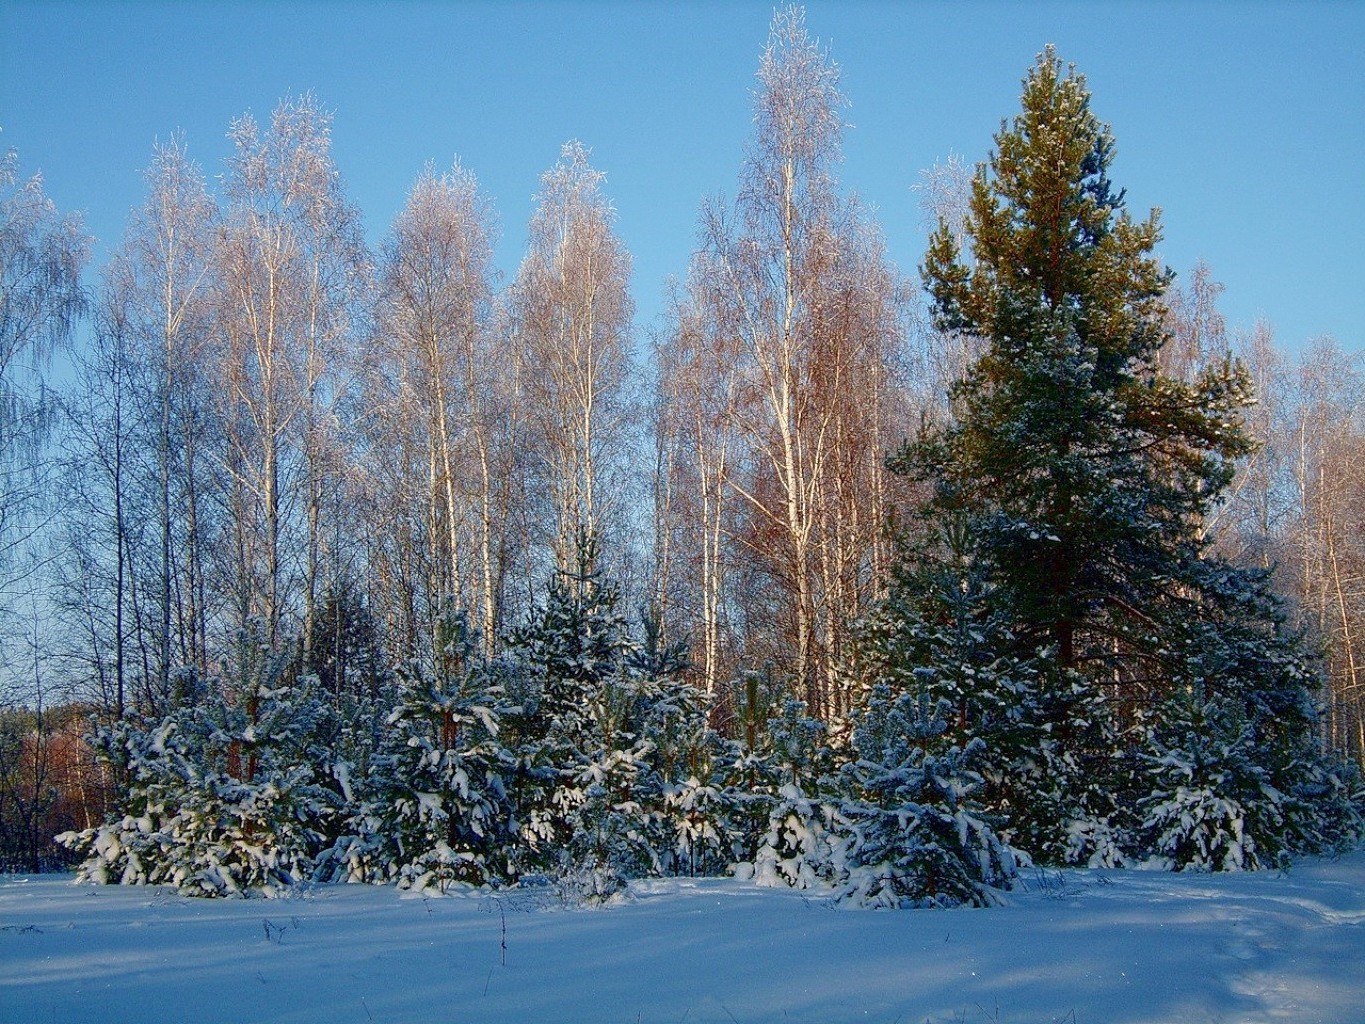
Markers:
{"x": 1080, "y": 946}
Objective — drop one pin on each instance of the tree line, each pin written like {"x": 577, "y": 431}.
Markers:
{"x": 1113, "y": 562}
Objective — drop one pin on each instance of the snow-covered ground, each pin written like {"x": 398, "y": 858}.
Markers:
{"x": 1081, "y": 946}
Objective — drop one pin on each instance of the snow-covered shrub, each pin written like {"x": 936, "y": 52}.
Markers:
{"x": 441, "y": 805}
{"x": 897, "y": 827}
{"x": 916, "y": 838}
{"x": 606, "y": 736}
{"x": 698, "y": 821}
{"x": 566, "y": 680}
{"x": 1211, "y": 805}
{"x": 1232, "y": 775}
{"x": 357, "y": 771}
{"x": 681, "y": 784}
{"x": 1095, "y": 843}
{"x": 804, "y": 845}
{"x": 1335, "y": 791}
{"x": 225, "y": 795}
{"x": 783, "y": 751}
{"x": 947, "y": 632}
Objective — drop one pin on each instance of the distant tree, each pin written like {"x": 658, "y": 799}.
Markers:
{"x": 42, "y": 253}
{"x": 162, "y": 281}
{"x": 700, "y": 447}
{"x": 943, "y": 357}
{"x": 101, "y": 566}
{"x": 137, "y": 423}
{"x": 1325, "y": 448}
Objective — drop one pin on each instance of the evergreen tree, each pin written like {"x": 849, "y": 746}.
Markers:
{"x": 775, "y": 772}
{"x": 918, "y": 837}
{"x": 442, "y": 812}
{"x": 942, "y": 633}
{"x": 345, "y": 652}
{"x": 1231, "y": 774}
{"x": 614, "y": 757}
{"x": 229, "y": 794}
{"x": 1082, "y": 469}
{"x": 1081, "y": 475}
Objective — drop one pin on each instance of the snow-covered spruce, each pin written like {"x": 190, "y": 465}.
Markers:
{"x": 614, "y": 759}
{"x": 945, "y": 632}
{"x": 1231, "y": 775}
{"x": 442, "y": 815}
{"x": 917, "y": 837}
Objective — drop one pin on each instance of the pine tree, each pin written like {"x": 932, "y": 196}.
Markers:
{"x": 229, "y": 794}
{"x": 442, "y": 811}
{"x": 1231, "y": 774}
{"x": 775, "y": 774}
{"x": 577, "y": 734}
{"x": 1082, "y": 468}
{"x": 943, "y": 633}
{"x": 917, "y": 834}
{"x": 1081, "y": 474}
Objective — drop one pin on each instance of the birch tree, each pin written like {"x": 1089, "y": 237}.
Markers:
{"x": 804, "y": 313}
{"x": 293, "y": 266}
{"x": 571, "y": 312}
{"x": 42, "y": 254}
{"x": 436, "y": 328}
{"x": 1328, "y": 453}
{"x": 699, "y": 445}
{"x": 161, "y": 279}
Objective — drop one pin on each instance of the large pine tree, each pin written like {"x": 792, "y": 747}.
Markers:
{"x": 1082, "y": 473}
{"x": 1085, "y": 469}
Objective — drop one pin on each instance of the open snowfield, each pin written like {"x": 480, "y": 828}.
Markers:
{"x": 1085, "y": 947}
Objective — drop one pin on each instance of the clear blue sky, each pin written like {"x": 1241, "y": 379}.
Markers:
{"x": 1245, "y": 122}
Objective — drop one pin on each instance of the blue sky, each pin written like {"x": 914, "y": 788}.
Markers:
{"x": 1244, "y": 122}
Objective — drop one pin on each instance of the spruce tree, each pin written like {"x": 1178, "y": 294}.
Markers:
{"x": 443, "y": 813}
{"x": 614, "y": 755}
{"x": 942, "y": 633}
{"x": 230, "y": 793}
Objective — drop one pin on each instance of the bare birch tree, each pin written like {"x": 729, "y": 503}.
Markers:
{"x": 292, "y": 265}
{"x": 699, "y": 443}
{"x": 943, "y": 357}
{"x": 804, "y": 313}
{"x": 161, "y": 278}
{"x": 42, "y": 254}
{"x": 1328, "y": 453}
{"x": 571, "y": 313}
{"x": 436, "y": 330}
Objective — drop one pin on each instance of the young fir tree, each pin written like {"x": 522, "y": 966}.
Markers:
{"x": 917, "y": 834}
{"x": 1231, "y": 774}
{"x": 942, "y": 633}
{"x": 1081, "y": 471}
